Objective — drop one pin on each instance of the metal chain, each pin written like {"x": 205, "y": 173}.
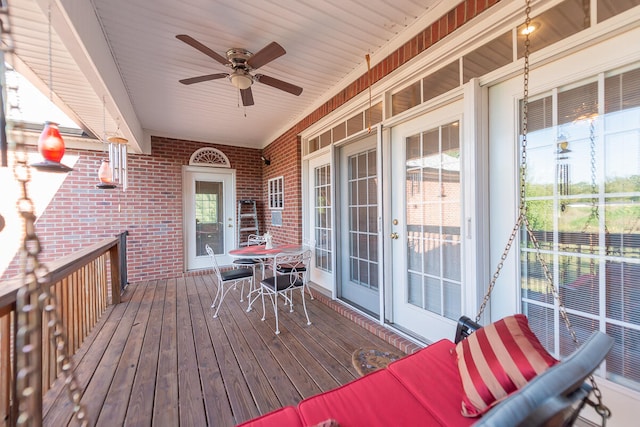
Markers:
{"x": 595, "y": 213}
{"x": 522, "y": 207}
{"x": 34, "y": 296}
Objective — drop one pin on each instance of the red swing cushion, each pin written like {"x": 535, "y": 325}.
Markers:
{"x": 497, "y": 360}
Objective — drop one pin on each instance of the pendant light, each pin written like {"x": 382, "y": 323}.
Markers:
{"x": 50, "y": 143}
{"x": 105, "y": 173}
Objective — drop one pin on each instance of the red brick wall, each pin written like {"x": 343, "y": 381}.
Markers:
{"x": 150, "y": 209}
{"x": 286, "y": 161}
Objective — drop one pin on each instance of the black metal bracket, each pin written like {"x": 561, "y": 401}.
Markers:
{"x": 466, "y": 327}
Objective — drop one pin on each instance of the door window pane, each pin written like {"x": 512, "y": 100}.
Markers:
{"x": 209, "y": 213}
{"x": 323, "y": 215}
{"x": 433, "y": 219}
{"x": 363, "y": 224}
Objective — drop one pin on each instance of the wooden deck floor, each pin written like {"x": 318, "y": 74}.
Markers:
{"x": 160, "y": 358}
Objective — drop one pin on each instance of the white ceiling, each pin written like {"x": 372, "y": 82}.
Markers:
{"x": 125, "y": 53}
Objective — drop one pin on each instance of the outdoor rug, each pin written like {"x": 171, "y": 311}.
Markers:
{"x": 367, "y": 360}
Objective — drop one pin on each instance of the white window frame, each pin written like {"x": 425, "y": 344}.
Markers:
{"x": 276, "y": 193}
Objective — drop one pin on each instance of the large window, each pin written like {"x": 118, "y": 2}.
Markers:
{"x": 583, "y": 193}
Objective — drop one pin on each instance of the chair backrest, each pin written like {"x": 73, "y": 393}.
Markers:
{"x": 212, "y": 255}
{"x": 551, "y": 397}
{"x": 255, "y": 239}
{"x": 296, "y": 265}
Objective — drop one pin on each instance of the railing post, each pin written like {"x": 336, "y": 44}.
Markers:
{"x": 124, "y": 277}
{"x": 114, "y": 259}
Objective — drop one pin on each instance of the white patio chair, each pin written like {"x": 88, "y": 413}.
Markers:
{"x": 227, "y": 280}
{"x": 309, "y": 244}
{"x": 283, "y": 284}
{"x": 252, "y": 240}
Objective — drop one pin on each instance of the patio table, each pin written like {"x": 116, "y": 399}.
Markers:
{"x": 260, "y": 252}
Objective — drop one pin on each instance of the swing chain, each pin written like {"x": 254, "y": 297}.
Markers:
{"x": 523, "y": 167}
{"x": 34, "y": 297}
{"x": 594, "y": 214}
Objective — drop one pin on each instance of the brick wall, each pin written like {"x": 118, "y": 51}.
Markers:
{"x": 150, "y": 209}
{"x": 286, "y": 161}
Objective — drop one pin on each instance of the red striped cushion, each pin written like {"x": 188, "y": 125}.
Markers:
{"x": 497, "y": 360}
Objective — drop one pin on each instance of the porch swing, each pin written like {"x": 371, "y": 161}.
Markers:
{"x": 562, "y": 404}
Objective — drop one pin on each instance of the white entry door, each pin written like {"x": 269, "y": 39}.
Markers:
{"x": 209, "y": 215}
{"x": 359, "y": 258}
{"x": 426, "y": 223}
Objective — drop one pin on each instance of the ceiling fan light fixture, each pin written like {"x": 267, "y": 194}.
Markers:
{"x": 241, "y": 80}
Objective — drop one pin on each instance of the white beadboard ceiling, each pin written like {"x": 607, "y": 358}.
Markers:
{"x": 125, "y": 52}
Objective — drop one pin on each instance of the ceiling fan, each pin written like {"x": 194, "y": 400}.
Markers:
{"x": 242, "y": 62}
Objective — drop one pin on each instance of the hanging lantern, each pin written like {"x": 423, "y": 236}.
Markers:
{"x": 51, "y": 147}
{"x": 105, "y": 175}
{"x": 50, "y": 143}
{"x": 104, "y": 172}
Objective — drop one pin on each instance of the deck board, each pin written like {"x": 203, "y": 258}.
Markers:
{"x": 140, "y": 408}
{"x": 165, "y": 406}
{"x": 160, "y": 358}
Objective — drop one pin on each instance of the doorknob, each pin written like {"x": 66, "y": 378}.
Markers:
{"x": 394, "y": 235}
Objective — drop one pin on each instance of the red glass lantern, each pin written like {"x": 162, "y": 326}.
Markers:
{"x": 51, "y": 147}
{"x": 105, "y": 175}
{"x": 50, "y": 143}
{"x": 104, "y": 172}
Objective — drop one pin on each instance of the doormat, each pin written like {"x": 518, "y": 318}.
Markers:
{"x": 367, "y": 360}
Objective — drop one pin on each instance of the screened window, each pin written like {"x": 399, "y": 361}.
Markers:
{"x": 583, "y": 194}
{"x": 407, "y": 98}
{"x": 441, "y": 81}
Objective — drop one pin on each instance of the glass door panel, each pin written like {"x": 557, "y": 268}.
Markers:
{"x": 209, "y": 214}
{"x": 359, "y": 218}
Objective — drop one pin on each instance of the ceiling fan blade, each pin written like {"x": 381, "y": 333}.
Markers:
{"x": 265, "y": 55}
{"x": 278, "y": 84}
{"x": 199, "y": 79}
{"x": 247, "y": 96}
{"x": 202, "y": 48}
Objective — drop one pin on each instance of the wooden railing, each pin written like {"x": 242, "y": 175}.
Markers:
{"x": 83, "y": 284}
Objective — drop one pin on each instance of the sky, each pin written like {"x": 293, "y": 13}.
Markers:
{"x": 35, "y": 106}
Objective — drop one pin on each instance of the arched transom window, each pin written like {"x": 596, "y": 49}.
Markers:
{"x": 211, "y": 157}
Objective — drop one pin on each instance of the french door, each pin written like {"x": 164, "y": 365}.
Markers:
{"x": 209, "y": 215}
{"x": 426, "y": 235}
{"x": 358, "y": 230}
{"x": 320, "y": 220}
